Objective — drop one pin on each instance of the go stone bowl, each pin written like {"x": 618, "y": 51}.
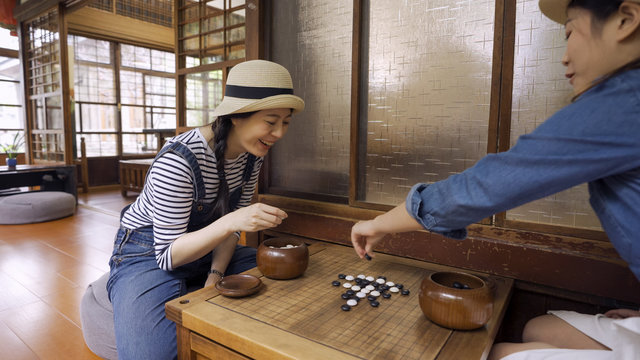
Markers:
{"x": 277, "y": 261}
{"x": 446, "y": 303}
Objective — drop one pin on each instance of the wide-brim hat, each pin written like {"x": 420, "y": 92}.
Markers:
{"x": 556, "y": 10}
{"x": 258, "y": 85}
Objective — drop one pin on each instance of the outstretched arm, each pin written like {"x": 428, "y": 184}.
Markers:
{"x": 366, "y": 234}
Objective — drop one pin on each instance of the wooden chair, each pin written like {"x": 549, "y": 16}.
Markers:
{"x": 83, "y": 165}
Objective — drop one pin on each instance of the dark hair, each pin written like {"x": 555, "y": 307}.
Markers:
{"x": 221, "y": 127}
{"x": 601, "y": 11}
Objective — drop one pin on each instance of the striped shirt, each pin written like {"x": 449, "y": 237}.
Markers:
{"x": 167, "y": 197}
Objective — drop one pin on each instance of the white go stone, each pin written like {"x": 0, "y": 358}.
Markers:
{"x": 390, "y": 284}
{"x": 361, "y": 295}
{"x": 394, "y": 289}
{"x": 361, "y": 276}
{"x": 355, "y": 288}
{"x": 352, "y": 302}
{"x": 365, "y": 290}
{"x": 349, "y": 278}
{"x": 347, "y": 285}
{"x": 370, "y": 278}
{"x": 380, "y": 281}
{"x": 375, "y": 293}
{"x": 370, "y": 287}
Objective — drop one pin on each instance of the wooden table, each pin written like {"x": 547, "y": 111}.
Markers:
{"x": 46, "y": 177}
{"x": 302, "y": 319}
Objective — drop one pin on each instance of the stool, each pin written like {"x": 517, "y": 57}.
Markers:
{"x": 96, "y": 315}
{"x": 37, "y": 206}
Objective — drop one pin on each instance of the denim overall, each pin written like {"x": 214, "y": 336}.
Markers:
{"x": 138, "y": 288}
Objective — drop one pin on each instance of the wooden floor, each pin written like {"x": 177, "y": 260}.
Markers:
{"x": 44, "y": 270}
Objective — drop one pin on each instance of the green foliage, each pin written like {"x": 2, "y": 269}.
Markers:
{"x": 13, "y": 148}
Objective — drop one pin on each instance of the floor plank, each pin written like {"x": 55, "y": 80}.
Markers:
{"x": 46, "y": 332}
{"x": 44, "y": 270}
{"x": 12, "y": 345}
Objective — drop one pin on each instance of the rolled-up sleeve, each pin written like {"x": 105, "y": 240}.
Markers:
{"x": 415, "y": 208}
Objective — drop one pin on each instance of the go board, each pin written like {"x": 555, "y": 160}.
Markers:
{"x": 310, "y": 308}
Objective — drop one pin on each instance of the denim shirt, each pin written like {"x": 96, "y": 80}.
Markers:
{"x": 596, "y": 139}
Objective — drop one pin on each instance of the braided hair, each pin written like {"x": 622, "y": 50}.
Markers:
{"x": 221, "y": 128}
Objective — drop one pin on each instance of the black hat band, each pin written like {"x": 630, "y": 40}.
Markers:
{"x": 250, "y": 92}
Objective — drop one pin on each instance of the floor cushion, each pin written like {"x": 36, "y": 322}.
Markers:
{"x": 37, "y": 206}
{"x": 96, "y": 316}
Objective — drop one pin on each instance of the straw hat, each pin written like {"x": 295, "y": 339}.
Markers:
{"x": 258, "y": 85}
{"x": 556, "y": 10}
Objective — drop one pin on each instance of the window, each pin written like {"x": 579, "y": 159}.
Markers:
{"x": 211, "y": 39}
{"x": 11, "y": 110}
{"x": 126, "y": 119}
{"x": 44, "y": 89}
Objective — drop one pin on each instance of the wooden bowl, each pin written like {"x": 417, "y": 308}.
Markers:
{"x": 276, "y": 261}
{"x": 238, "y": 285}
{"x": 456, "y": 308}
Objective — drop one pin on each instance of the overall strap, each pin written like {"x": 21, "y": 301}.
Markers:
{"x": 182, "y": 150}
{"x": 234, "y": 197}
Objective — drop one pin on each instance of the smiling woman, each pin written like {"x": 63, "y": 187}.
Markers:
{"x": 181, "y": 232}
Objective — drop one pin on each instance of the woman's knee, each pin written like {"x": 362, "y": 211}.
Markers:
{"x": 501, "y": 350}
{"x": 540, "y": 328}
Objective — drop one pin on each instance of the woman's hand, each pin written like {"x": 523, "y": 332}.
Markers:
{"x": 364, "y": 237}
{"x": 253, "y": 218}
{"x": 622, "y": 313}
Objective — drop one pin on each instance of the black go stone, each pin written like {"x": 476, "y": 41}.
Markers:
{"x": 465, "y": 286}
{"x": 405, "y": 292}
{"x": 374, "y": 303}
{"x": 399, "y": 286}
{"x": 350, "y": 292}
{"x": 346, "y": 296}
{"x": 371, "y": 298}
{"x": 341, "y": 276}
{"x": 336, "y": 283}
{"x": 382, "y": 277}
{"x": 457, "y": 285}
{"x": 345, "y": 307}
{"x": 386, "y": 295}
{"x": 365, "y": 282}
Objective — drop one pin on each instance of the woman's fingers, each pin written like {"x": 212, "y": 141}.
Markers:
{"x": 259, "y": 217}
{"x": 272, "y": 210}
{"x": 358, "y": 240}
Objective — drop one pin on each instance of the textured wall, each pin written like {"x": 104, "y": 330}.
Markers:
{"x": 312, "y": 39}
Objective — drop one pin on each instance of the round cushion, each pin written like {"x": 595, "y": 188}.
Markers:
{"x": 37, "y": 206}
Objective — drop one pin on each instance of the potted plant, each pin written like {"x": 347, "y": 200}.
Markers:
{"x": 12, "y": 150}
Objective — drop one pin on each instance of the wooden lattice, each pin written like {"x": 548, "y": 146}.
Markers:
{"x": 211, "y": 31}
{"x": 153, "y": 11}
{"x": 44, "y": 87}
